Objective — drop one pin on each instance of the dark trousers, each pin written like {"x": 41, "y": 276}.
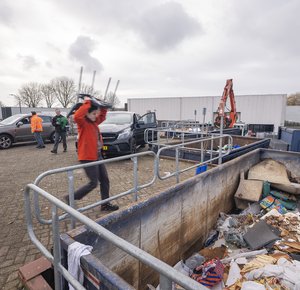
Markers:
{"x": 95, "y": 174}
{"x": 57, "y": 137}
{"x": 39, "y": 139}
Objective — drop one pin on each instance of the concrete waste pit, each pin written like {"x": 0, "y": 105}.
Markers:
{"x": 192, "y": 224}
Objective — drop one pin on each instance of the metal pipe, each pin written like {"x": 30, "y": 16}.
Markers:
{"x": 117, "y": 85}
{"x": 71, "y": 195}
{"x": 79, "y": 83}
{"x": 177, "y": 164}
{"x": 108, "y": 83}
{"x": 56, "y": 249}
{"x": 93, "y": 80}
{"x": 221, "y": 145}
{"x": 135, "y": 177}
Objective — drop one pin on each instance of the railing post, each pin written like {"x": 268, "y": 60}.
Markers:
{"x": 135, "y": 177}
{"x": 221, "y": 136}
{"x": 177, "y": 164}
{"x": 202, "y": 153}
{"x": 56, "y": 249}
{"x": 165, "y": 283}
{"x": 71, "y": 195}
{"x": 211, "y": 147}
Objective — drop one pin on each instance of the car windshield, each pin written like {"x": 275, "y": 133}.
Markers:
{"x": 118, "y": 118}
{"x": 10, "y": 120}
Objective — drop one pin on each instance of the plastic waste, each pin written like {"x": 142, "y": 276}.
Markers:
{"x": 194, "y": 261}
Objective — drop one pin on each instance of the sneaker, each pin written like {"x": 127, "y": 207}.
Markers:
{"x": 65, "y": 150}
{"x": 52, "y": 151}
{"x": 109, "y": 207}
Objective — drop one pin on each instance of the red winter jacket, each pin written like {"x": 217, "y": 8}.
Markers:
{"x": 88, "y": 132}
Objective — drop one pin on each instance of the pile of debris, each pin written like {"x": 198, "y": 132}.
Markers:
{"x": 259, "y": 248}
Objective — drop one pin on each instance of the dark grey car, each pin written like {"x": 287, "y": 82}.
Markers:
{"x": 123, "y": 132}
{"x": 17, "y": 129}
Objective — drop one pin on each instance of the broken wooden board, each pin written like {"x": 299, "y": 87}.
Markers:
{"x": 269, "y": 170}
{"x": 248, "y": 191}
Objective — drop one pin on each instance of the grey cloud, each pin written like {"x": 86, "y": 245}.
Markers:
{"x": 271, "y": 24}
{"x": 48, "y": 64}
{"x": 165, "y": 26}
{"x": 81, "y": 51}
{"x": 28, "y": 61}
{"x": 5, "y": 13}
{"x": 161, "y": 25}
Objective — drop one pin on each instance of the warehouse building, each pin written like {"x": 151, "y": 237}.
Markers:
{"x": 252, "y": 109}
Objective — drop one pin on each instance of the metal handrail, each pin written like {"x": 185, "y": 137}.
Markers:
{"x": 181, "y": 146}
{"x": 167, "y": 273}
{"x": 171, "y": 134}
{"x": 70, "y": 169}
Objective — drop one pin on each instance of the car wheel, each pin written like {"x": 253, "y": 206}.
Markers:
{"x": 133, "y": 146}
{"x": 5, "y": 141}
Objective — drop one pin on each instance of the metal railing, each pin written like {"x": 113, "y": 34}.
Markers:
{"x": 166, "y": 272}
{"x": 183, "y": 147}
{"x": 134, "y": 157}
{"x": 70, "y": 173}
{"x": 162, "y": 136}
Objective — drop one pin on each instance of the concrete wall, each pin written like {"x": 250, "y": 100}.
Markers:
{"x": 254, "y": 109}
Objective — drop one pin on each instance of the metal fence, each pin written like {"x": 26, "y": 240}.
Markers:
{"x": 70, "y": 173}
{"x": 163, "y": 136}
{"x": 225, "y": 139}
{"x": 166, "y": 272}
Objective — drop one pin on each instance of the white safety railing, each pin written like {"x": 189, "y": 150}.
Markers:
{"x": 70, "y": 173}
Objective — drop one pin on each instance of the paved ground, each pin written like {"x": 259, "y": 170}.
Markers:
{"x": 21, "y": 164}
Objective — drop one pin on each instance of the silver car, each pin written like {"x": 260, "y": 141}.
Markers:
{"x": 17, "y": 129}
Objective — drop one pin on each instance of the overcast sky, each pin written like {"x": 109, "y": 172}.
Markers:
{"x": 156, "y": 48}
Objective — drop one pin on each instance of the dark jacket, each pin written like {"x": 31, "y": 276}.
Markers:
{"x": 60, "y": 123}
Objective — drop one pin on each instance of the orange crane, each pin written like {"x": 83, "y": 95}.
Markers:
{"x": 230, "y": 117}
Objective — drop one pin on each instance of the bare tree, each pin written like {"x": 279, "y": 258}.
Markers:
{"x": 112, "y": 99}
{"x": 64, "y": 89}
{"x": 30, "y": 95}
{"x": 48, "y": 94}
{"x": 293, "y": 99}
{"x": 86, "y": 89}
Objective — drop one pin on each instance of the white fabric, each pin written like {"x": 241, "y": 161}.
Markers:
{"x": 75, "y": 251}
{"x": 285, "y": 270}
{"x": 234, "y": 274}
{"x": 250, "y": 285}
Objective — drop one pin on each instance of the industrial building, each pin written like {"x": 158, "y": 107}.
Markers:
{"x": 252, "y": 109}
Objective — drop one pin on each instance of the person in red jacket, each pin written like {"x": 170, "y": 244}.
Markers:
{"x": 88, "y": 117}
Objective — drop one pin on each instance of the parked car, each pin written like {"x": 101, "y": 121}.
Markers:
{"x": 123, "y": 132}
{"x": 17, "y": 129}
